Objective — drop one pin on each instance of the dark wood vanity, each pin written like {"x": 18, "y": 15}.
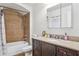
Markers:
{"x": 42, "y": 48}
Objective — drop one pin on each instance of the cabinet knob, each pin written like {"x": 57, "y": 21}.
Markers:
{"x": 64, "y": 52}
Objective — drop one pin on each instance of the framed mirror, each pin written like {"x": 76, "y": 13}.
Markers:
{"x": 60, "y": 16}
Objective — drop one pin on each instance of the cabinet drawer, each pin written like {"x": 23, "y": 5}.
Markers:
{"x": 65, "y": 52}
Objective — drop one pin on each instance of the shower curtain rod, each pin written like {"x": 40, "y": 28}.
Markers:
{"x": 14, "y": 9}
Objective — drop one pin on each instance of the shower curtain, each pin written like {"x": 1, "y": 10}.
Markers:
{"x": 2, "y": 40}
{"x": 1, "y": 51}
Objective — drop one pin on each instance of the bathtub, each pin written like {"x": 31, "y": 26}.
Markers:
{"x": 17, "y": 47}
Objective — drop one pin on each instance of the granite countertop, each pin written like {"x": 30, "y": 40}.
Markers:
{"x": 64, "y": 43}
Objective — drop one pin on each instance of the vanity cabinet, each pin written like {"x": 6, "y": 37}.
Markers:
{"x": 42, "y": 48}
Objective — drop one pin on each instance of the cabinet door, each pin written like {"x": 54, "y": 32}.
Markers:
{"x": 48, "y": 49}
{"x": 65, "y": 52}
{"x": 61, "y": 51}
{"x": 77, "y": 53}
{"x": 71, "y": 52}
{"x": 36, "y": 48}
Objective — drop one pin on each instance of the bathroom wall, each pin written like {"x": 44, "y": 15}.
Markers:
{"x": 40, "y": 21}
{"x": 39, "y": 18}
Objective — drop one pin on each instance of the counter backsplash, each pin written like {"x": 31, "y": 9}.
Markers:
{"x": 71, "y": 38}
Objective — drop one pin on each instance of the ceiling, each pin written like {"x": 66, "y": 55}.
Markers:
{"x": 33, "y": 4}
